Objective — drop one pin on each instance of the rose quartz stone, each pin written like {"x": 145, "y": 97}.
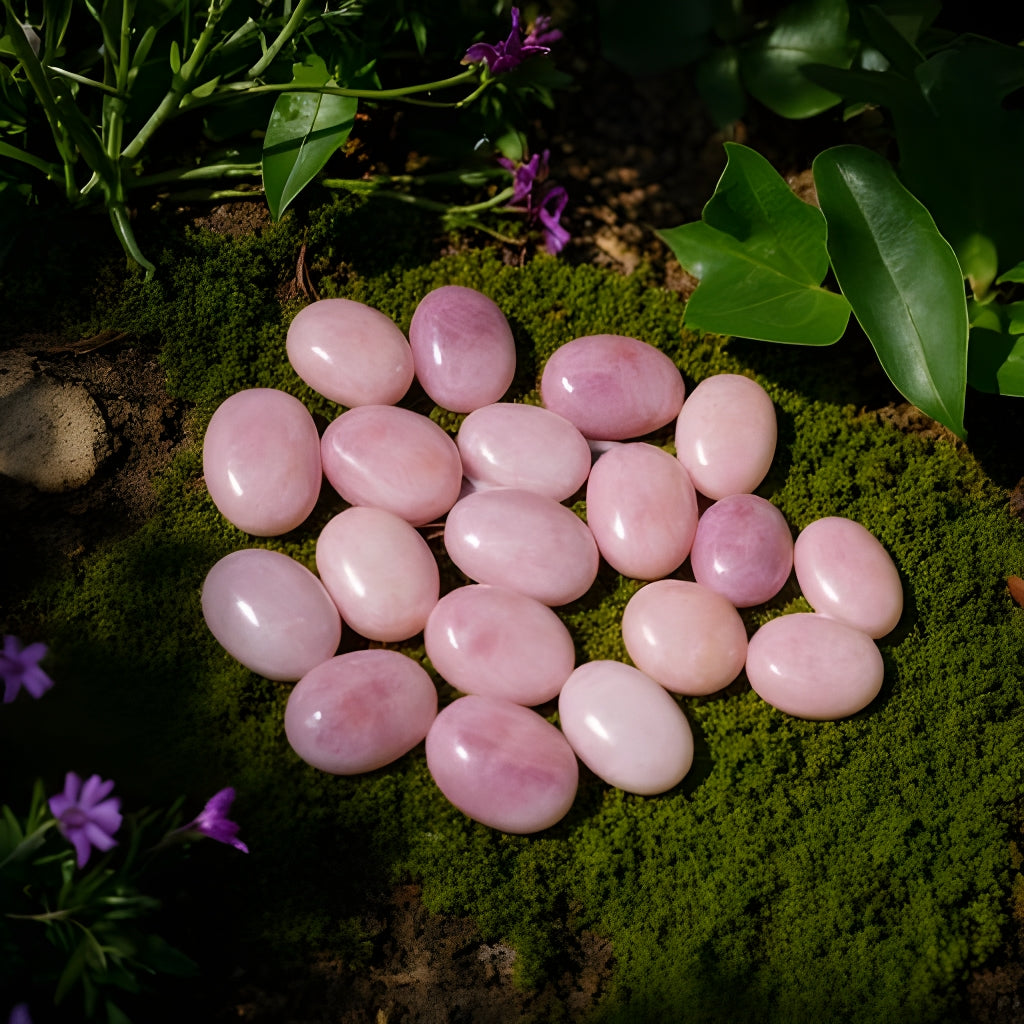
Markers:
{"x": 379, "y": 571}
{"x": 742, "y": 549}
{"x": 523, "y": 541}
{"x": 612, "y": 387}
{"x": 502, "y": 764}
{"x": 388, "y": 457}
{"x": 360, "y": 711}
{"x": 270, "y": 613}
{"x": 350, "y": 353}
{"x": 499, "y": 643}
{"x": 642, "y": 510}
{"x": 684, "y": 636}
{"x": 625, "y": 728}
{"x": 726, "y": 435}
{"x": 846, "y": 574}
{"x": 813, "y": 667}
{"x": 261, "y": 461}
{"x": 524, "y": 446}
{"x": 462, "y": 347}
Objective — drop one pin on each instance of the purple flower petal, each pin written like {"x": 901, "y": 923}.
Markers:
{"x": 19, "y": 1014}
{"x": 85, "y": 818}
{"x": 511, "y": 52}
{"x": 555, "y": 236}
{"x": 94, "y": 790}
{"x": 213, "y": 822}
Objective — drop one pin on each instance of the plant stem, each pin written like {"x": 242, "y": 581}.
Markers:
{"x": 283, "y": 36}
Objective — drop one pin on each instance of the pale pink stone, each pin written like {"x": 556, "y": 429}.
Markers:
{"x": 642, "y": 510}
{"x": 612, "y": 387}
{"x": 388, "y": 457}
{"x": 684, "y": 636}
{"x": 350, "y": 353}
{"x": 846, "y": 574}
{"x": 502, "y": 764}
{"x": 261, "y": 461}
{"x": 523, "y": 541}
{"x": 499, "y": 643}
{"x": 379, "y": 571}
{"x": 270, "y": 613}
{"x": 462, "y": 347}
{"x": 726, "y": 435}
{"x": 524, "y": 446}
{"x": 813, "y": 667}
{"x": 742, "y": 549}
{"x": 360, "y": 711}
{"x": 625, "y": 728}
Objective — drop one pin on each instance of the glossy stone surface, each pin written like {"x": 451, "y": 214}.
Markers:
{"x": 726, "y": 434}
{"x": 523, "y": 446}
{"x": 499, "y": 643}
{"x": 813, "y": 667}
{"x": 642, "y": 510}
{"x": 392, "y": 458}
{"x": 360, "y": 711}
{"x": 350, "y": 353}
{"x": 261, "y": 461}
{"x": 523, "y": 541}
{"x": 612, "y": 387}
{"x": 846, "y": 574}
{"x": 742, "y": 549}
{"x": 625, "y": 728}
{"x": 270, "y": 613}
{"x": 685, "y": 636}
{"x": 462, "y": 348}
{"x": 502, "y": 764}
{"x": 379, "y": 571}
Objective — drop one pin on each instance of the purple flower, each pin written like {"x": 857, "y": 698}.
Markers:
{"x": 541, "y": 33}
{"x": 510, "y": 53}
{"x": 539, "y": 201}
{"x": 19, "y": 1014}
{"x": 549, "y": 212}
{"x": 19, "y": 667}
{"x": 85, "y": 815}
{"x": 212, "y": 821}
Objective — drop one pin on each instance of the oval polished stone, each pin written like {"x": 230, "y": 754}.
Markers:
{"x": 270, "y": 613}
{"x": 499, "y": 643}
{"x": 360, "y": 711}
{"x": 523, "y": 446}
{"x": 742, "y": 549}
{"x": 846, "y": 574}
{"x": 523, "y": 541}
{"x": 379, "y": 571}
{"x": 642, "y": 510}
{"x": 502, "y": 764}
{"x": 685, "y": 636}
{"x": 261, "y": 461}
{"x": 813, "y": 667}
{"x": 612, "y": 387}
{"x": 625, "y": 728}
{"x": 726, "y": 434}
{"x": 462, "y": 348}
{"x": 388, "y": 457}
{"x": 350, "y": 353}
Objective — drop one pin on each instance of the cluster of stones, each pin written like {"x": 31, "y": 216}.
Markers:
{"x": 501, "y": 486}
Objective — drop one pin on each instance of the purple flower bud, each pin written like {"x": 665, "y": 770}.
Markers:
{"x": 511, "y": 52}
{"x": 213, "y": 822}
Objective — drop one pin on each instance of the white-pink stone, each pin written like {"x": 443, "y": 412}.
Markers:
{"x": 261, "y": 461}
{"x": 523, "y": 541}
{"x": 726, "y": 434}
{"x": 462, "y": 347}
{"x": 388, "y": 457}
{"x": 612, "y": 387}
{"x": 500, "y": 643}
{"x": 502, "y": 764}
{"x": 625, "y": 728}
{"x": 813, "y": 667}
{"x": 642, "y": 510}
{"x": 270, "y": 613}
{"x": 686, "y": 637}
{"x": 379, "y": 571}
{"x": 846, "y": 574}
{"x": 350, "y": 353}
{"x": 360, "y": 711}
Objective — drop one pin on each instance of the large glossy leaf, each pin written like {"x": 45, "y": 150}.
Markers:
{"x": 901, "y": 278}
{"x": 760, "y": 255}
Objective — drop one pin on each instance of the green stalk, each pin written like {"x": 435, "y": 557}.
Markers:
{"x": 204, "y": 173}
{"x": 53, "y": 172}
{"x": 283, "y": 36}
{"x": 427, "y": 204}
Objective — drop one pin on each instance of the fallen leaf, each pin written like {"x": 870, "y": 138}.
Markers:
{"x": 1016, "y": 587}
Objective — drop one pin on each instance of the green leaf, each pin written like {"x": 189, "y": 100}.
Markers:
{"x": 1015, "y": 275}
{"x": 901, "y": 278}
{"x": 760, "y": 255}
{"x": 996, "y": 362}
{"x": 717, "y": 77}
